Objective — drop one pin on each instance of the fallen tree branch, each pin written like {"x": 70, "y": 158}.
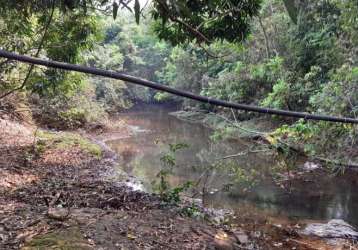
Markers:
{"x": 334, "y": 162}
{"x": 236, "y": 125}
{"x": 244, "y": 153}
{"x": 157, "y": 86}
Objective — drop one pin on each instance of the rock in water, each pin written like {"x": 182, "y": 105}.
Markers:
{"x": 333, "y": 229}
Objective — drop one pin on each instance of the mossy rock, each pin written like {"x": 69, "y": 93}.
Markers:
{"x": 70, "y": 239}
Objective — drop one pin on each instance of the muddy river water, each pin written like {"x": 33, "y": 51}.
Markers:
{"x": 154, "y": 129}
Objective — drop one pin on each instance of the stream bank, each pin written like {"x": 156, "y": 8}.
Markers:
{"x": 59, "y": 194}
{"x": 69, "y": 196}
{"x": 262, "y": 206}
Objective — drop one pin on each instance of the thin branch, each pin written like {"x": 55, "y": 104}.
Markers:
{"x": 236, "y": 125}
{"x": 233, "y": 114}
{"x": 267, "y": 43}
{"x": 212, "y": 55}
{"x": 244, "y": 153}
{"x": 193, "y": 30}
{"x": 103, "y": 11}
{"x": 125, "y": 5}
{"x": 145, "y": 5}
{"x": 334, "y": 162}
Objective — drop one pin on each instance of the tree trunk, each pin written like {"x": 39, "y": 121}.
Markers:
{"x": 291, "y": 9}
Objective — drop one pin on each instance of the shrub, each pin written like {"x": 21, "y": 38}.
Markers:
{"x": 69, "y": 112}
{"x": 340, "y": 95}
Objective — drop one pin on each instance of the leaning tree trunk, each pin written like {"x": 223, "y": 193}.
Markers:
{"x": 291, "y": 9}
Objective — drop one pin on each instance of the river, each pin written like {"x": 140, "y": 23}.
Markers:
{"x": 154, "y": 129}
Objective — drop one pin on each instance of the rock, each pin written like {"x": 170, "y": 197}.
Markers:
{"x": 218, "y": 216}
{"x": 241, "y": 236}
{"x": 222, "y": 241}
{"x": 60, "y": 214}
{"x": 223, "y": 245}
{"x": 278, "y": 244}
{"x": 333, "y": 229}
{"x": 310, "y": 166}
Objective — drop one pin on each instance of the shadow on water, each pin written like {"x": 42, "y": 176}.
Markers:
{"x": 331, "y": 197}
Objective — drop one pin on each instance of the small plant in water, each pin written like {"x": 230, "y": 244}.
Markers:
{"x": 161, "y": 185}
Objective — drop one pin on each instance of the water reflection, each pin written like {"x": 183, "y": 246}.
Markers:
{"x": 140, "y": 154}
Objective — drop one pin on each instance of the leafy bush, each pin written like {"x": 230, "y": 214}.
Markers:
{"x": 73, "y": 117}
{"x": 269, "y": 71}
{"x": 245, "y": 83}
{"x": 162, "y": 186}
{"x": 340, "y": 95}
{"x": 279, "y": 97}
{"x": 69, "y": 112}
{"x": 113, "y": 94}
{"x": 293, "y": 92}
{"x": 162, "y": 96}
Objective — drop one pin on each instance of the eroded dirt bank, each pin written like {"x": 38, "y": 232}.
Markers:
{"x": 57, "y": 192}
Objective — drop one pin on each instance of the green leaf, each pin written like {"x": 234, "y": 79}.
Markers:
{"x": 137, "y": 11}
{"x": 115, "y": 10}
{"x": 183, "y": 8}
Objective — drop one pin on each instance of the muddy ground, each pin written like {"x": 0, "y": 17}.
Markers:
{"x": 55, "y": 193}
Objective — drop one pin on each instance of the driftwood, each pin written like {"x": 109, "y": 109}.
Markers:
{"x": 336, "y": 163}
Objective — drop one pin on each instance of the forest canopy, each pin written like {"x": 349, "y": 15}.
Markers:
{"x": 292, "y": 55}
{"x": 178, "y": 21}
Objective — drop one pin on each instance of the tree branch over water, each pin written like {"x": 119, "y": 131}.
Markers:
{"x": 160, "y": 87}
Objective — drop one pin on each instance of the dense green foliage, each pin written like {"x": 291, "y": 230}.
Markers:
{"x": 294, "y": 55}
{"x": 46, "y": 31}
{"x": 179, "y": 21}
{"x": 130, "y": 48}
{"x": 309, "y": 66}
{"x": 204, "y": 21}
{"x": 64, "y": 37}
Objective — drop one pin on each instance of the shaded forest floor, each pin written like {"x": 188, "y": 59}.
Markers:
{"x": 55, "y": 194}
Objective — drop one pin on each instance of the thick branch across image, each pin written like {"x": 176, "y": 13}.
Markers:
{"x": 157, "y": 86}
